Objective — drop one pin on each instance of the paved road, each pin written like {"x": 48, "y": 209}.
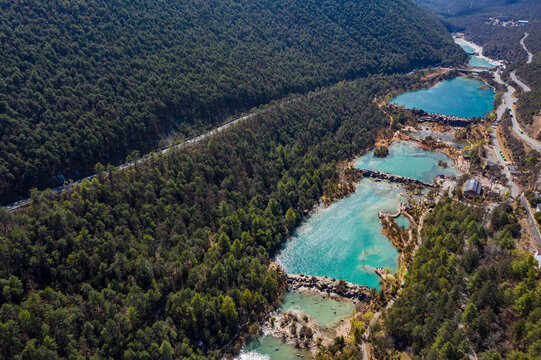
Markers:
{"x": 524, "y": 87}
{"x": 496, "y": 146}
{"x": 513, "y": 74}
{"x": 508, "y": 101}
{"x": 530, "y": 55}
{"x": 531, "y": 219}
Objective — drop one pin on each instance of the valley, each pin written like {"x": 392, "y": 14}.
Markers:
{"x": 301, "y": 180}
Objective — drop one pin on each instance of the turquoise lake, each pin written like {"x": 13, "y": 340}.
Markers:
{"x": 406, "y": 158}
{"x": 475, "y": 60}
{"x": 326, "y": 312}
{"x": 344, "y": 240}
{"x": 460, "y": 96}
{"x": 270, "y": 348}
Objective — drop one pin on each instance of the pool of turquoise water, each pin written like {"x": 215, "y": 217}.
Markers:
{"x": 326, "y": 312}
{"x": 270, "y": 348}
{"x": 475, "y": 60}
{"x": 461, "y": 96}
{"x": 424, "y": 132}
{"x": 344, "y": 240}
{"x": 402, "y": 221}
{"x": 406, "y": 158}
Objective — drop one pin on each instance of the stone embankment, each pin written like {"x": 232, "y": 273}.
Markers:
{"x": 393, "y": 178}
{"x": 329, "y": 286}
{"x": 444, "y": 119}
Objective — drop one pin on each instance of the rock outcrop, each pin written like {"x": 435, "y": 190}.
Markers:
{"x": 393, "y": 178}
{"x": 444, "y": 119}
{"x": 329, "y": 286}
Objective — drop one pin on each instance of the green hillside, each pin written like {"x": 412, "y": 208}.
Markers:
{"x": 171, "y": 258}
{"x": 89, "y": 81}
{"x": 461, "y": 7}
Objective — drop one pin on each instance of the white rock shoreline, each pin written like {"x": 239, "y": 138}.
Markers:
{"x": 478, "y": 50}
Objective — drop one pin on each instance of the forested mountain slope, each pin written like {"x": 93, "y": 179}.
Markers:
{"x": 88, "y": 81}
{"x": 461, "y": 7}
{"x": 476, "y": 19}
{"x": 529, "y": 104}
{"x": 468, "y": 292}
{"x": 171, "y": 258}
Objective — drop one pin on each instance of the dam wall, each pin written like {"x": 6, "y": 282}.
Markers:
{"x": 394, "y": 178}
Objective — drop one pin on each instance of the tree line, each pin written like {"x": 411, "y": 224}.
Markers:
{"x": 171, "y": 258}
{"x": 88, "y": 81}
{"x": 467, "y": 291}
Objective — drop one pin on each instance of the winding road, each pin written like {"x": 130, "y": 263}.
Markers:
{"x": 508, "y": 102}
{"x": 524, "y": 87}
{"x": 530, "y": 55}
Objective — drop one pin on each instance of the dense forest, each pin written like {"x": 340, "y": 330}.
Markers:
{"x": 170, "y": 258}
{"x": 87, "y": 81}
{"x": 529, "y": 104}
{"x": 449, "y": 8}
{"x": 468, "y": 294}
{"x": 468, "y": 291}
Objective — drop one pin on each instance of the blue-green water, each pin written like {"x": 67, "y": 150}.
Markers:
{"x": 408, "y": 159}
{"x": 345, "y": 240}
{"x": 460, "y": 96}
{"x": 270, "y": 348}
{"x": 424, "y": 132}
{"x": 468, "y": 49}
{"x": 326, "y": 312}
{"x": 402, "y": 221}
{"x": 475, "y": 60}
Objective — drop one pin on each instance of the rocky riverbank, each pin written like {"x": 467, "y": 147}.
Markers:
{"x": 394, "y": 178}
{"x": 455, "y": 121}
{"x": 336, "y": 289}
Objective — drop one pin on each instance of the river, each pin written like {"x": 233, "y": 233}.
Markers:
{"x": 475, "y": 60}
